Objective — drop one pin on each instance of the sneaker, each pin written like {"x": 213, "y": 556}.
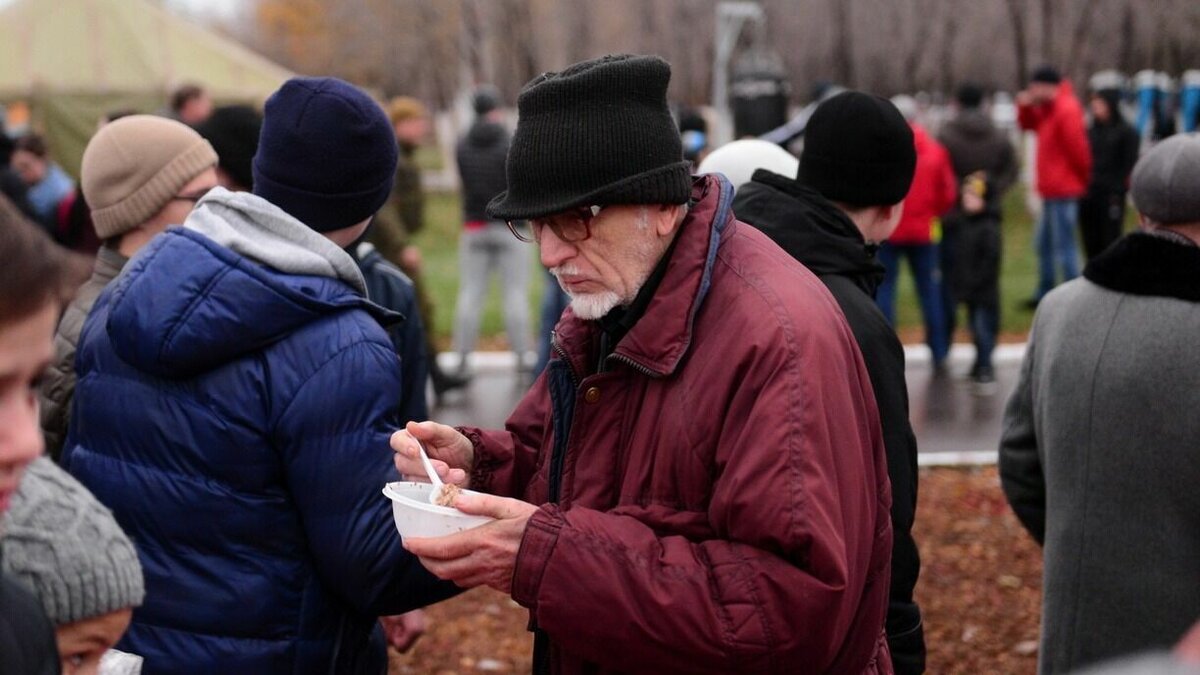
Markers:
{"x": 940, "y": 369}
{"x": 444, "y": 382}
{"x": 983, "y": 381}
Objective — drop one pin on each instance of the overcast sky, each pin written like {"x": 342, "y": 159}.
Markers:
{"x": 220, "y": 7}
{"x": 200, "y": 7}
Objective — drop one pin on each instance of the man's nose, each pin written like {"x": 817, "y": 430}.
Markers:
{"x": 554, "y": 251}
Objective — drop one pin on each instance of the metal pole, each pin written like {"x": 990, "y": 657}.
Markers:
{"x": 731, "y": 17}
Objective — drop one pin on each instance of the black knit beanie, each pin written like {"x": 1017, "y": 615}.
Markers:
{"x": 599, "y": 132}
{"x": 327, "y": 153}
{"x": 1046, "y": 74}
{"x": 858, "y": 150}
{"x": 233, "y": 130}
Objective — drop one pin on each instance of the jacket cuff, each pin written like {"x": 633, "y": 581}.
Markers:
{"x": 541, "y": 536}
{"x": 481, "y": 468}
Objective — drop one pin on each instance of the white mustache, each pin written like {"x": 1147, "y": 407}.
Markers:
{"x": 568, "y": 269}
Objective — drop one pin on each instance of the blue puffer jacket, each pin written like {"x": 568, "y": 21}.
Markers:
{"x": 236, "y": 420}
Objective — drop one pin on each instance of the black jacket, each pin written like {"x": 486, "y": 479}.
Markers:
{"x": 481, "y": 156}
{"x": 390, "y": 288}
{"x": 27, "y": 644}
{"x": 975, "y": 144}
{"x": 1114, "y": 151}
{"x": 819, "y": 235}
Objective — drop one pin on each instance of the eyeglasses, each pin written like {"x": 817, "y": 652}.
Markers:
{"x": 193, "y": 196}
{"x": 572, "y": 226}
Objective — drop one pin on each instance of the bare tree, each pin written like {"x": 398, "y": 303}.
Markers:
{"x": 1079, "y": 36}
{"x": 949, "y": 31}
{"x": 430, "y": 48}
{"x": 1016, "y": 17}
{"x": 1047, "y": 15}
{"x": 843, "y": 52}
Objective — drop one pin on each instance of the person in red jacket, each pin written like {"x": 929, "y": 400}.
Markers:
{"x": 1049, "y": 108}
{"x": 697, "y": 482}
{"x": 933, "y": 192}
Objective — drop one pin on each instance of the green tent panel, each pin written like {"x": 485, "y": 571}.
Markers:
{"x": 75, "y": 60}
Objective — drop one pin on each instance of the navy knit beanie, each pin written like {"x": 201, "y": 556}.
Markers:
{"x": 327, "y": 154}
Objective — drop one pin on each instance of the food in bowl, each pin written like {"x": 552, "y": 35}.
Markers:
{"x": 447, "y": 494}
{"x": 416, "y": 517}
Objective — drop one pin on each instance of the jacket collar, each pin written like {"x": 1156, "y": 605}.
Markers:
{"x": 810, "y": 228}
{"x": 1145, "y": 264}
{"x": 657, "y": 343}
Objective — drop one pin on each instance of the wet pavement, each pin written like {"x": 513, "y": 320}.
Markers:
{"x": 955, "y": 421}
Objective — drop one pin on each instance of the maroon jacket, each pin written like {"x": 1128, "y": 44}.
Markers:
{"x": 721, "y": 491}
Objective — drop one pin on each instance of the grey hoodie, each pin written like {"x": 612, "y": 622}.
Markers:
{"x": 257, "y": 229}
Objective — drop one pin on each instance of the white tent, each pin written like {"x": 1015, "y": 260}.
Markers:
{"x": 75, "y": 60}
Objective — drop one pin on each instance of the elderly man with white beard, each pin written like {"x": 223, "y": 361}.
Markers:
{"x": 696, "y": 483}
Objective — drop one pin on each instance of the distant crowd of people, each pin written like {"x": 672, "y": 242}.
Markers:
{"x": 713, "y": 469}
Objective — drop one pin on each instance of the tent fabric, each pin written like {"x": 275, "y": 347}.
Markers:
{"x": 74, "y": 60}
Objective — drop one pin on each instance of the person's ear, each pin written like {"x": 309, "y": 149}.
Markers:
{"x": 1144, "y": 222}
{"x": 892, "y": 212}
{"x": 666, "y": 218}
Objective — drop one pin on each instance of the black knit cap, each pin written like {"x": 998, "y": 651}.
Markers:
{"x": 1046, "y": 74}
{"x": 858, "y": 150}
{"x": 599, "y": 132}
{"x": 233, "y": 132}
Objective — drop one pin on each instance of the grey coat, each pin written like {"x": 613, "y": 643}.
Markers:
{"x": 1100, "y": 455}
{"x": 58, "y": 385}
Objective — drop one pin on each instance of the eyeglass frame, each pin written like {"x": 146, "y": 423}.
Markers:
{"x": 535, "y": 238}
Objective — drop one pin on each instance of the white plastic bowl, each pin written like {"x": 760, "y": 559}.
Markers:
{"x": 416, "y": 517}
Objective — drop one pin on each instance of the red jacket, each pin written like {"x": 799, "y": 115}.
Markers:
{"x": 934, "y": 191}
{"x": 1064, "y": 160}
{"x": 723, "y": 501}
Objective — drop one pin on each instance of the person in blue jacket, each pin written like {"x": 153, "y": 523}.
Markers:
{"x": 236, "y": 394}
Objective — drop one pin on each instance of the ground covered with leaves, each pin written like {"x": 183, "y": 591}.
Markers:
{"x": 980, "y": 590}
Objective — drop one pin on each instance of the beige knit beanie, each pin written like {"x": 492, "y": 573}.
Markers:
{"x": 135, "y": 165}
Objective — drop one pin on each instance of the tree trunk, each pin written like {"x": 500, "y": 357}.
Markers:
{"x": 843, "y": 48}
{"x": 1048, "y": 43}
{"x": 1016, "y": 17}
{"x": 1079, "y": 37}
{"x": 920, "y": 42}
{"x": 949, "y": 32}
{"x": 1126, "y": 38}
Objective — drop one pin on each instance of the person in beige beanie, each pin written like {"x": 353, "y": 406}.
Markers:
{"x": 140, "y": 175}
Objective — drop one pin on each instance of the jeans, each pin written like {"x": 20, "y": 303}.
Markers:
{"x": 554, "y": 303}
{"x": 923, "y": 262}
{"x": 985, "y": 322}
{"x": 483, "y": 252}
{"x": 1056, "y": 243}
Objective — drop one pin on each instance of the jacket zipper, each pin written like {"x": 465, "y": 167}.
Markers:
{"x": 635, "y": 365}
{"x": 541, "y": 641}
{"x": 558, "y": 453}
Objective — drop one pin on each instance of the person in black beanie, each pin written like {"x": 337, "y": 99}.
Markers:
{"x": 855, "y": 171}
{"x": 258, "y": 390}
{"x": 697, "y": 476}
{"x": 233, "y": 131}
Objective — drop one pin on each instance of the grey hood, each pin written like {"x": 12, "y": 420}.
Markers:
{"x": 257, "y": 229}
